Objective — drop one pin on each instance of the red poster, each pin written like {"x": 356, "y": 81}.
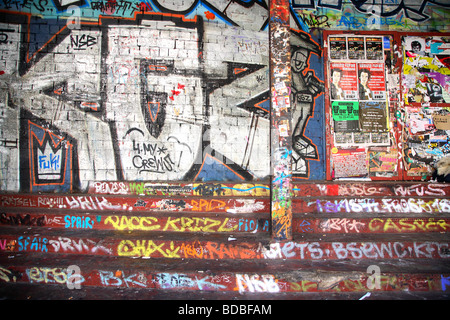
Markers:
{"x": 343, "y": 81}
{"x": 371, "y": 81}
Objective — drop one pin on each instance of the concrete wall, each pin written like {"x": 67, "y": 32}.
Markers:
{"x": 164, "y": 90}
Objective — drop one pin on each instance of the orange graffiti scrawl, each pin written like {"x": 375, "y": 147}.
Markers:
{"x": 209, "y": 15}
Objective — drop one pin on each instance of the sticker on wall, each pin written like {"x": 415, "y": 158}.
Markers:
{"x": 338, "y": 48}
{"x": 426, "y": 75}
{"x": 442, "y": 122}
{"x": 374, "y": 48}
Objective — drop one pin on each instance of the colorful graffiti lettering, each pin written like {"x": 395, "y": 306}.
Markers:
{"x": 147, "y": 248}
{"x": 32, "y": 244}
{"x": 233, "y": 282}
{"x": 372, "y": 205}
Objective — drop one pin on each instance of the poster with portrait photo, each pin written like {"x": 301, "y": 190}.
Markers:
{"x": 414, "y": 46}
{"x": 343, "y": 80}
{"x": 374, "y": 48}
{"x": 371, "y": 81}
{"x": 338, "y": 48}
{"x": 373, "y": 116}
{"x": 356, "y": 48}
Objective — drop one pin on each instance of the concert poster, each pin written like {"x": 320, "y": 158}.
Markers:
{"x": 382, "y": 162}
{"x": 373, "y": 116}
{"x": 350, "y": 163}
{"x": 344, "y": 81}
{"x": 356, "y": 48}
{"x": 345, "y": 116}
{"x": 338, "y": 48}
{"x": 371, "y": 81}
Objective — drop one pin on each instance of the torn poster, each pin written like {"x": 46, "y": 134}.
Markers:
{"x": 426, "y": 72}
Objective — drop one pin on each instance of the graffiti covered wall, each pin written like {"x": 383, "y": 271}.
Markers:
{"x": 356, "y": 15}
{"x": 386, "y": 103}
{"x": 153, "y": 90}
{"x": 161, "y": 90}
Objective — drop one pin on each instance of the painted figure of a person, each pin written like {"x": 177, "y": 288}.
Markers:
{"x": 305, "y": 87}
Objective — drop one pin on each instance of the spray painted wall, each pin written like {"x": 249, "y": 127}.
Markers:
{"x": 161, "y": 90}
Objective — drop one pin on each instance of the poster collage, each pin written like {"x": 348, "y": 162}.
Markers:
{"x": 367, "y": 107}
{"x": 359, "y": 106}
{"x": 426, "y": 100}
